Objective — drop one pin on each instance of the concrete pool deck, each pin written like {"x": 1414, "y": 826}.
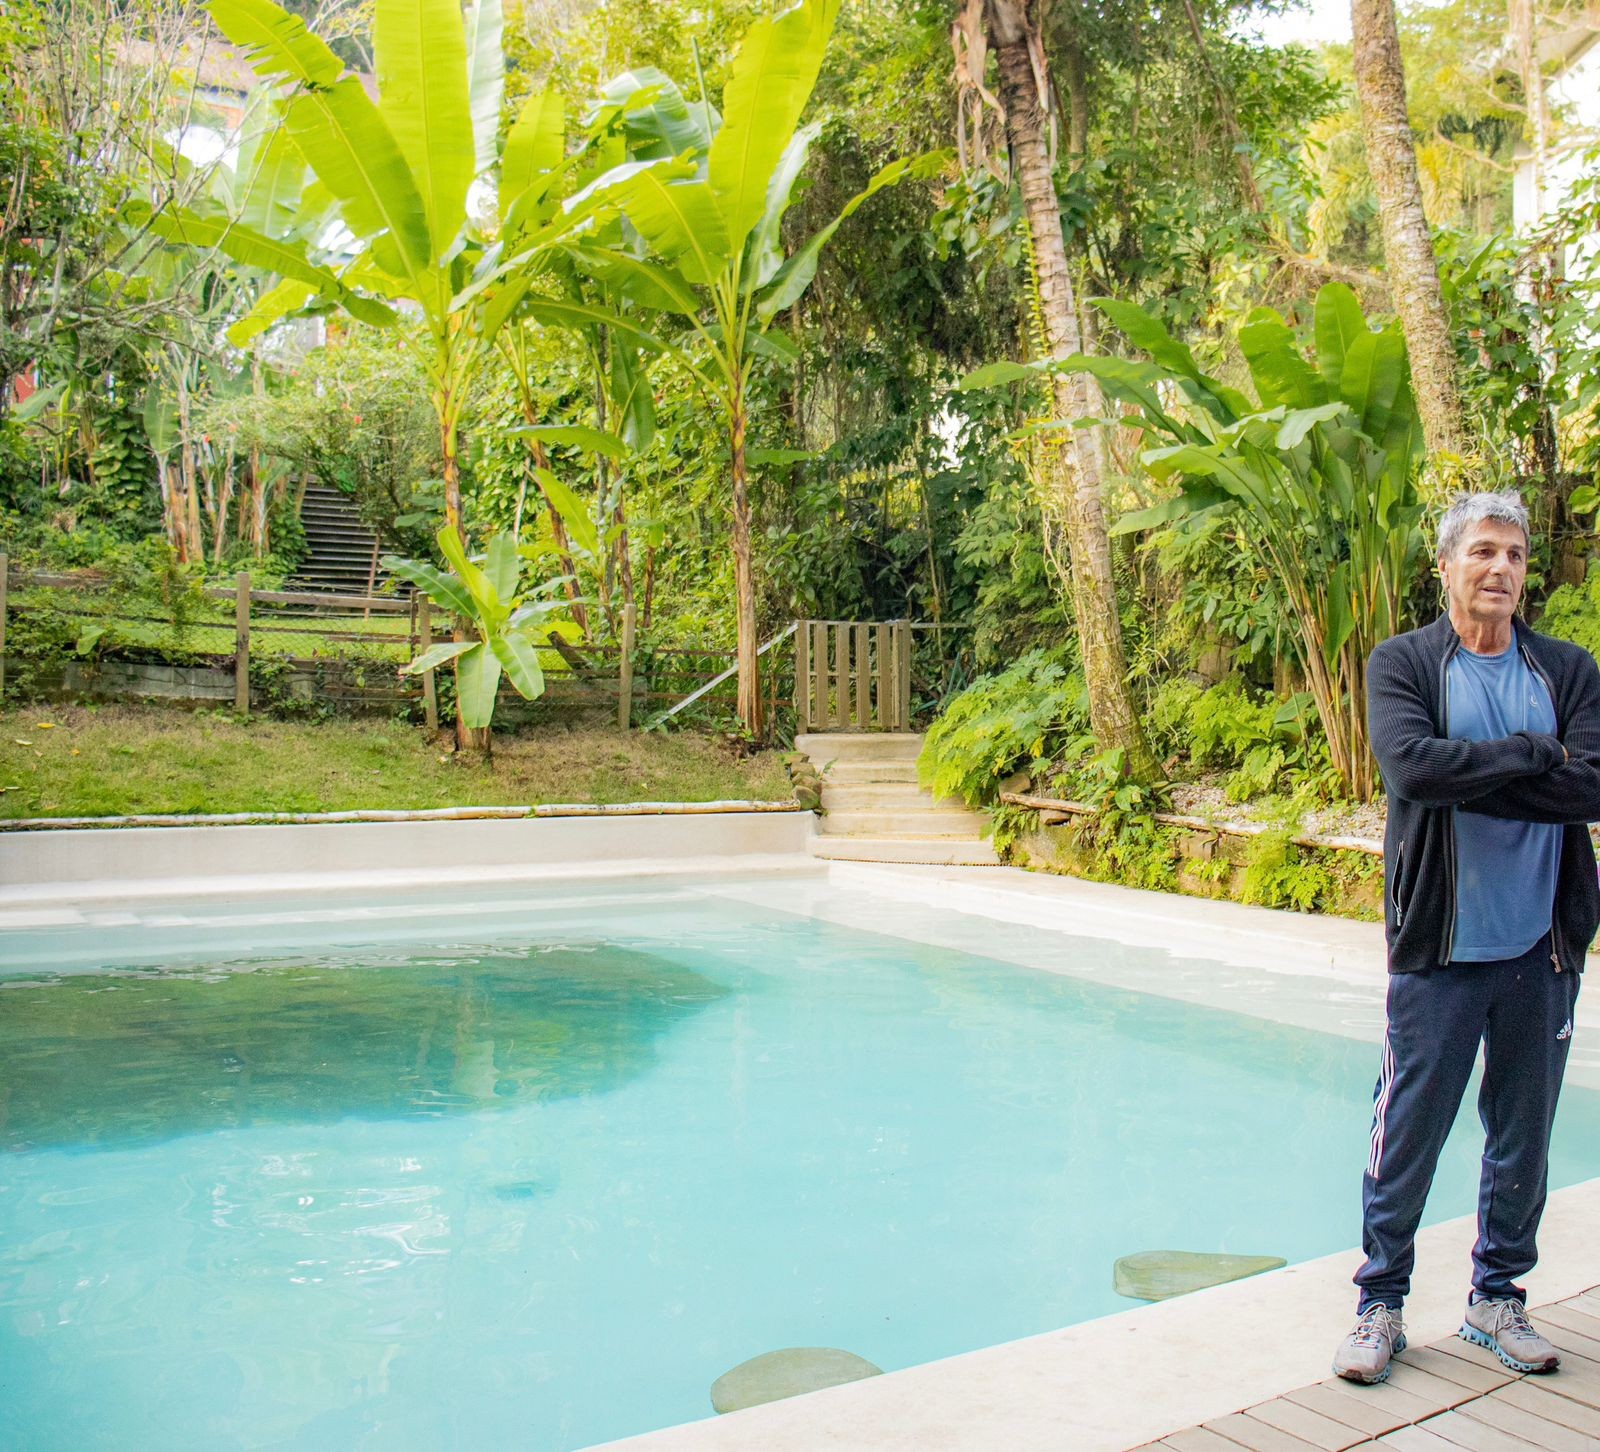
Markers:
{"x": 1101, "y": 1386}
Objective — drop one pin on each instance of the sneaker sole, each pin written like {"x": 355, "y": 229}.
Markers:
{"x": 1376, "y": 1377}
{"x": 1469, "y": 1332}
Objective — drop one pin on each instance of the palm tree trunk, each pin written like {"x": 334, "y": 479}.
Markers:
{"x": 1407, "y": 242}
{"x": 743, "y": 578}
{"x": 1014, "y": 38}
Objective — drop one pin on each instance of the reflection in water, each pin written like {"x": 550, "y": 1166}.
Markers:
{"x": 139, "y": 1057}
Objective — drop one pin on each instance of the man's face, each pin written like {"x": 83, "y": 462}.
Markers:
{"x": 1484, "y": 577}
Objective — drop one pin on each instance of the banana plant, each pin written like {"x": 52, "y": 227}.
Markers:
{"x": 706, "y": 196}
{"x": 398, "y": 172}
{"x": 1320, "y": 470}
{"x": 486, "y": 591}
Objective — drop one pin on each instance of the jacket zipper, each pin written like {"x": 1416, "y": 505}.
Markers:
{"x": 1399, "y": 867}
{"x": 1450, "y": 812}
{"x": 1555, "y": 927}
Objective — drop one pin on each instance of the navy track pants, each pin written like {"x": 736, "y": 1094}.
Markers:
{"x": 1521, "y": 1010}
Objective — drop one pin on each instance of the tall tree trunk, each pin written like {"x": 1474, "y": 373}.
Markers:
{"x": 743, "y": 579}
{"x": 1407, "y": 243}
{"x": 1014, "y": 37}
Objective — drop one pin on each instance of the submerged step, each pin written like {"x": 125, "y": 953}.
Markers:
{"x": 905, "y": 850}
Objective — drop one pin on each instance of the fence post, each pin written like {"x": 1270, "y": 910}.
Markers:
{"x": 241, "y": 648}
{"x": 625, "y": 670}
{"x": 430, "y": 698}
{"x": 902, "y": 672}
{"x": 4, "y": 567}
{"x": 802, "y": 676}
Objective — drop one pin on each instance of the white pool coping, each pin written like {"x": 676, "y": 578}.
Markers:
{"x": 1125, "y": 1380}
{"x": 1098, "y": 1386}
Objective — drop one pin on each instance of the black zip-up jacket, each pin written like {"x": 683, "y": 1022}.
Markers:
{"x": 1529, "y": 777}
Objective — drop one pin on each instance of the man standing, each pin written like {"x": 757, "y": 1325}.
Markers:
{"x": 1488, "y": 736}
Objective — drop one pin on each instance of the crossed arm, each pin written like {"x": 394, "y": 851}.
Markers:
{"x": 1529, "y": 777}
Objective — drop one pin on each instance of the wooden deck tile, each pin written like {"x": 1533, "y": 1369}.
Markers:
{"x": 1566, "y": 1339}
{"x": 1196, "y": 1439}
{"x": 1588, "y": 1303}
{"x": 1258, "y": 1436}
{"x": 1474, "y": 1436}
{"x": 1534, "y": 1396}
{"x": 1529, "y": 1427}
{"x": 1313, "y": 1427}
{"x": 1454, "y": 1346}
{"x": 1373, "y": 1410}
{"x": 1578, "y": 1381}
{"x": 1573, "y": 1319}
{"x": 1417, "y": 1439}
{"x": 1437, "y": 1391}
{"x": 1469, "y": 1373}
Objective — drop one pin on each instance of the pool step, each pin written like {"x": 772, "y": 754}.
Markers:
{"x": 874, "y": 810}
{"x": 932, "y": 853}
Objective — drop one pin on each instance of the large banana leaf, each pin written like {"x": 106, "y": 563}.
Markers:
{"x": 348, "y": 144}
{"x": 289, "y": 296}
{"x": 437, "y": 655}
{"x": 271, "y": 179}
{"x": 794, "y": 277}
{"x": 576, "y": 436}
{"x": 571, "y": 510}
{"x": 773, "y": 77}
{"x": 677, "y": 215}
{"x": 277, "y": 42}
{"x": 656, "y": 120}
{"x": 477, "y": 681}
{"x": 502, "y": 565}
{"x": 422, "y": 82}
{"x": 1337, "y": 321}
{"x": 534, "y": 146}
{"x": 1370, "y": 380}
{"x": 765, "y": 256}
{"x": 439, "y": 587}
{"x": 521, "y": 662}
{"x": 1277, "y": 366}
{"x": 486, "y": 79}
{"x": 489, "y": 610}
{"x": 650, "y": 284}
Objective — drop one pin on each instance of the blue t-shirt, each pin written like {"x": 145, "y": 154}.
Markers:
{"x": 1505, "y": 870}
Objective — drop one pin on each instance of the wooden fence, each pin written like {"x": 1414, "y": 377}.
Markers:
{"x": 852, "y": 675}
{"x": 340, "y": 650}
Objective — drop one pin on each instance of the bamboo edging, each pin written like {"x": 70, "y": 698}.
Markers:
{"x": 421, "y": 814}
{"x": 1199, "y": 824}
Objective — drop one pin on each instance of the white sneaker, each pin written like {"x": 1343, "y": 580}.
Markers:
{"x": 1365, "y": 1354}
{"x": 1503, "y": 1327}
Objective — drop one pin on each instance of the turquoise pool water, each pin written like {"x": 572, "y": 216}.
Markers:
{"x": 533, "y": 1169}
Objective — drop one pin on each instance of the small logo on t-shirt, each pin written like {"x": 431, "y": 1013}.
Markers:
{"x": 1566, "y": 1031}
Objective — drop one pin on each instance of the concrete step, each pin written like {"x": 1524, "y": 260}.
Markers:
{"x": 881, "y": 849}
{"x": 865, "y": 773}
{"x": 919, "y": 822}
{"x": 860, "y": 746}
{"x": 872, "y": 796}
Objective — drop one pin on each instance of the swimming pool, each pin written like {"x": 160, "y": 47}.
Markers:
{"x": 534, "y": 1167}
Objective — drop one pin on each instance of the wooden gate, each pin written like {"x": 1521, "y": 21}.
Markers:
{"x": 852, "y": 675}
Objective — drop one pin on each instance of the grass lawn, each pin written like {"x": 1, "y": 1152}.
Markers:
{"x": 70, "y": 761}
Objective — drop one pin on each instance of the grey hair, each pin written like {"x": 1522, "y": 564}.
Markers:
{"x": 1471, "y": 509}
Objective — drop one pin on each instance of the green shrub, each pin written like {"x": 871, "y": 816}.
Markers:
{"x": 1573, "y": 612}
{"x": 1025, "y": 716}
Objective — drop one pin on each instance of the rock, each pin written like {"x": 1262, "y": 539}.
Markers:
{"x": 786, "y": 1373}
{"x": 1158, "y": 1275}
{"x": 1018, "y": 781}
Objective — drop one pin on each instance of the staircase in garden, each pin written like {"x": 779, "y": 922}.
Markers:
{"x": 340, "y": 547}
{"x": 874, "y": 810}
